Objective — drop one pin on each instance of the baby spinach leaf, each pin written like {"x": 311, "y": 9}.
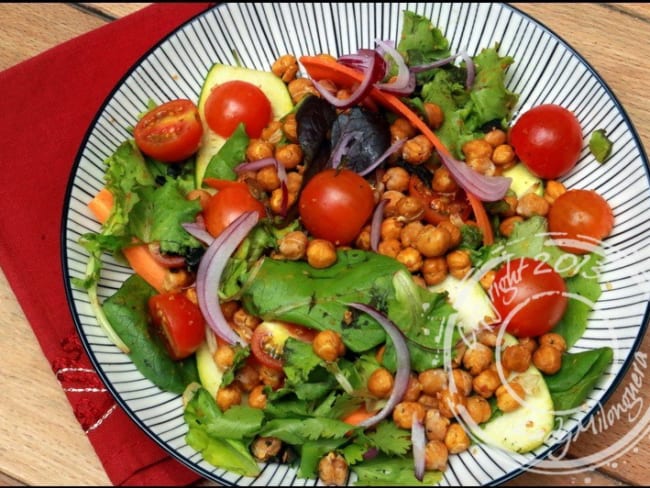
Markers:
{"x": 577, "y": 377}
{"x": 127, "y": 312}
{"x": 392, "y": 471}
{"x": 222, "y": 165}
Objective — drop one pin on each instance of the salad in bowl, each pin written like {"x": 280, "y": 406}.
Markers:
{"x": 361, "y": 266}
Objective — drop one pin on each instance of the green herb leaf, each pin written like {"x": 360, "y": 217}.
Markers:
{"x": 600, "y": 145}
{"x": 233, "y": 152}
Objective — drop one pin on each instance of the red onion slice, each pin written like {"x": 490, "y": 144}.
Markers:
{"x": 198, "y": 231}
{"x": 487, "y": 188}
{"x": 375, "y": 224}
{"x": 396, "y": 146}
{"x": 418, "y": 440}
{"x": 374, "y": 71}
{"x": 211, "y": 268}
{"x": 346, "y": 140}
{"x": 403, "y": 363}
{"x": 404, "y": 82}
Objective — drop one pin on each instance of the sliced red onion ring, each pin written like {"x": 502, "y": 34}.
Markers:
{"x": 375, "y": 224}
{"x": 374, "y": 71}
{"x": 198, "y": 231}
{"x": 403, "y": 363}
{"x": 359, "y": 61}
{"x": 346, "y": 140}
{"x": 418, "y": 440}
{"x": 282, "y": 176}
{"x": 487, "y": 188}
{"x": 211, "y": 268}
{"x": 396, "y": 146}
{"x": 404, "y": 82}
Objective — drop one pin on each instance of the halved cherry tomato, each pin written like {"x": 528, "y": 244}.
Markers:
{"x": 178, "y": 321}
{"x": 232, "y": 200}
{"x": 335, "y": 205}
{"x": 171, "y": 132}
{"x": 529, "y": 295}
{"x": 582, "y": 216}
{"x": 439, "y": 206}
{"x": 235, "y": 102}
{"x": 548, "y": 140}
{"x": 267, "y": 343}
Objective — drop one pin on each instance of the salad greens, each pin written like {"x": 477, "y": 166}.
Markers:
{"x": 306, "y": 411}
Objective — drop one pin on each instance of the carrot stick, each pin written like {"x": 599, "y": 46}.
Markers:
{"x": 138, "y": 256}
{"x": 320, "y": 67}
{"x": 482, "y": 219}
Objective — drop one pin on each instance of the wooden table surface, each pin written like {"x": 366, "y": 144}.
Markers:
{"x": 41, "y": 443}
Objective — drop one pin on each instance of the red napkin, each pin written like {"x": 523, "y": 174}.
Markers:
{"x": 48, "y": 103}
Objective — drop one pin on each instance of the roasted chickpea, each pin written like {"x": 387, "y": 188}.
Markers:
{"x": 433, "y": 241}
{"x": 457, "y": 439}
{"x": 483, "y": 165}
{"x": 299, "y": 88}
{"x": 248, "y": 377}
{"x": 510, "y": 208}
{"x": 224, "y": 356}
{"x": 552, "y": 190}
{"x": 436, "y": 456}
{"x": 508, "y": 225}
{"x": 488, "y": 337}
{"x": 332, "y": 469}
{"x": 433, "y": 381}
{"x": 389, "y": 247}
{"x": 553, "y": 339}
{"x": 290, "y": 127}
{"x": 434, "y": 270}
{"x": 363, "y": 239}
{"x": 328, "y": 345}
{"x": 293, "y": 245}
{"x": 228, "y": 396}
{"x": 510, "y": 397}
{"x": 272, "y": 132}
{"x": 243, "y": 319}
{"x": 396, "y": 178}
{"x": 461, "y": 380}
{"x": 410, "y": 232}
{"x": 258, "y": 149}
{"x": 380, "y": 383}
{"x": 271, "y": 377}
{"x": 450, "y": 403}
{"x": 503, "y": 154}
{"x": 391, "y": 228}
{"x": 277, "y": 201}
{"x": 268, "y": 179}
{"x": 401, "y": 129}
{"x": 442, "y": 181}
{"x": 413, "y": 389}
{"x": 496, "y": 137}
{"x": 529, "y": 343}
{"x": 479, "y": 409}
{"x": 487, "y": 279}
{"x": 532, "y": 204}
{"x": 289, "y": 155}
{"x": 257, "y": 397}
{"x": 477, "y": 148}
{"x": 404, "y": 411}
{"x": 428, "y": 401}
{"x": 294, "y": 181}
{"x": 285, "y": 67}
{"x": 202, "y": 196}
{"x": 548, "y": 359}
{"x": 486, "y": 383}
{"x": 454, "y": 232}
{"x": 266, "y": 448}
{"x": 516, "y": 358}
{"x": 411, "y": 258}
{"x": 417, "y": 150}
{"x": 435, "y": 115}
{"x": 393, "y": 197}
{"x": 409, "y": 209}
{"x": 477, "y": 358}
{"x": 459, "y": 263}
{"x": 321, "y": 253}
{"x": 435, "y": 425}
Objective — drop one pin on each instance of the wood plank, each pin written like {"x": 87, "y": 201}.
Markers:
{"x": 39, "y": 27}
{"x": 115, "y": 10}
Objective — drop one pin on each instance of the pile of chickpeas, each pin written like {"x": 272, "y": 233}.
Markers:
{"x": 429, "y": 251}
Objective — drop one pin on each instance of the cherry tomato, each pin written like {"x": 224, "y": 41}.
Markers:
{"x": 232, "y": 200}
{"x": 335, "y": 204}
{"x": 529, "y": 296}
{"x": 582, "y": 216}
{"x": 235, "y": 102}
{"x": 548, "y": 140}
{"x": 171, "y": 132}
{"x": 439, "y": 206}
{"x": 267, "y": 343}
{"x": 179, "y": 322}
